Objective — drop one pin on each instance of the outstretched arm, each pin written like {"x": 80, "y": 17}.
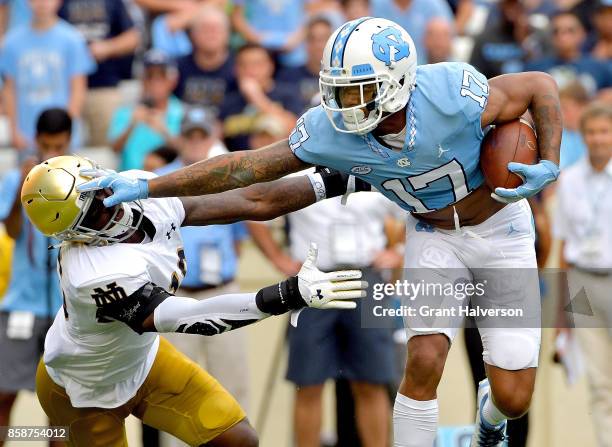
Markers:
{"x": 217, "y": 174}
{"x": 263, "y": 201}
{"x": 153, "y": 309}
{"x": 266, "y": 201}
{"x": 229, "y": 171}
{"x": 509, "y": 98}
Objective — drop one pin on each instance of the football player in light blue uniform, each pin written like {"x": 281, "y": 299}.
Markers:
{"x": 433, "y": 163}
{"x": 415, "y": 134}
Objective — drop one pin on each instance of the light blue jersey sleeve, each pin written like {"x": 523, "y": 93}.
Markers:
{"x": 316, "y": 142}
{"x": 457, "y": 90}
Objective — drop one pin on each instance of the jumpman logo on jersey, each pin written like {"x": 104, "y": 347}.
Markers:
{"x": 441, "y": 150}
{"x": 511, "y": 230}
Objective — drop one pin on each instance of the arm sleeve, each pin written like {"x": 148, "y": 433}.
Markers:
{"x": 227, "y": 312}
{"x": 207, "y": 317}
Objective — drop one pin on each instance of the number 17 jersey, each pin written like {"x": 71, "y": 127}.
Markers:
{"x": 439, "y": 162}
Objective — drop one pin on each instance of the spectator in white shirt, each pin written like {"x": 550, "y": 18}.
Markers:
{"x": 583, "y": 225}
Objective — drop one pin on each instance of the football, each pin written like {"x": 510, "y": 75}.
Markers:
{"x": 512, "y": 141}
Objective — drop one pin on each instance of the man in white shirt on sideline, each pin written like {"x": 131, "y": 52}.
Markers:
{"x": 351, "y": 235}
{"x": 583, "y": 224}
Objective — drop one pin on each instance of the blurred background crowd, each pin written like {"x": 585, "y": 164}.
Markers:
{"x": 160, "y": 84}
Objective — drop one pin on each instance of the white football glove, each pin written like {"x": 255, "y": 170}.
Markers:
{"x": 332, "y": 290}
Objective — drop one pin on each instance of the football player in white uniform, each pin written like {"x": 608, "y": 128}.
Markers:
{"x": 119, "y": 268}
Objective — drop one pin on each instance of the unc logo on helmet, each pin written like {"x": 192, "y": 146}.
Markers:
{"x": 388, "y": 46}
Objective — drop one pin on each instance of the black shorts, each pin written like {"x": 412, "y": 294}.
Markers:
{"x": 19, "y": 358}
{"x": 330, "y": 344}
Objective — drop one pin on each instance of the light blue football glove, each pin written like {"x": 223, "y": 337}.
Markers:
{"x": 535, "y": 178}
{"x": 124, "y": 189}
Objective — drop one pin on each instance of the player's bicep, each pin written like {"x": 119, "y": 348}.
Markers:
{"x": 509, "y": 98}
{"x": 282, "y": 157}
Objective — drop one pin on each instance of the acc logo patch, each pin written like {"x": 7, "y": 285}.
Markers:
{"x": 361, "y": 170}
{"x": 389, "y": 46}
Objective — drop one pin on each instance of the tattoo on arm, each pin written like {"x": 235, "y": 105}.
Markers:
{"x": 546, "y": 112}
{"x": 229, "y": 171}
{"x": 263, "y": 201}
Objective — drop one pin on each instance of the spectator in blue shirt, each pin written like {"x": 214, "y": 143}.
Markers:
{"x": 207, "y": 74}
{"x": 212, "y": 256}
{"x": 277, "y": 26}
{"x": 136, "y": 130}
{"x": 258, "y": 94}
{"x": 33, "y": 296}
{"x": 569, "y": 63}
{"x": 413, "y": 16}
{"x": 44, "y": 64}
{"x": 306, "y": 77}
{"x": 111, "y": 35}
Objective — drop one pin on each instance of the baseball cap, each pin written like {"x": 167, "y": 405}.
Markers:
{"x": 198, "y": 118}
{"x": 270, "y": 125}
{"x": 157, "y": 58}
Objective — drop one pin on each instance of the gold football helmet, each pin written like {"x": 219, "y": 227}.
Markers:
{"x": 50, "y": 198}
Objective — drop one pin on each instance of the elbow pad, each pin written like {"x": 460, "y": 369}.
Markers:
{"x": 135, "y": 309}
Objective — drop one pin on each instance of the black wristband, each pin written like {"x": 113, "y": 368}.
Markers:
{"x": 280, "y": 298}
{"x": 336, "y": 182}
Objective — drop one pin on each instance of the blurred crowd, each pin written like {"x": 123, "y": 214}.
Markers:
{"x": 160, "y": 84}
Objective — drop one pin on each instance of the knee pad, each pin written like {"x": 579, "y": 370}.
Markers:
{"x": 512, "y": 351}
